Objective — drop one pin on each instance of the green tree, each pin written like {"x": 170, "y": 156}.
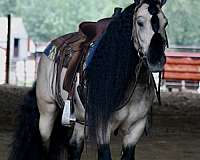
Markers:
{"x": 184, "y": 22}
{"x": 46, "y": 20}
{"x": 8, "y": 7}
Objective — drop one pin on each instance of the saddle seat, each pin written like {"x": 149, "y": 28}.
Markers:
{"x": 93, "y": 30}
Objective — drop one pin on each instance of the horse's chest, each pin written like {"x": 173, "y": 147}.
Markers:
{"x": 136, "y": 109}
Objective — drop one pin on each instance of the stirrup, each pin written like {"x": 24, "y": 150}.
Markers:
{"x": 67, "y": 118}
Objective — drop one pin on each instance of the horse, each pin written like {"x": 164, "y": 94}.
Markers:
{"x": 118, "y": 86}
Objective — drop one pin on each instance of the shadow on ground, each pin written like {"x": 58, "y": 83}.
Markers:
{"x": 175, "y": 133}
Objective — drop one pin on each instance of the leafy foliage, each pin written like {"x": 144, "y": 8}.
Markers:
{"x": 46, "y": 20}
{"x": 184, "y": 22}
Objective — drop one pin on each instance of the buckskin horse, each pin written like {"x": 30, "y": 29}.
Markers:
{"x": 111, "y": 92}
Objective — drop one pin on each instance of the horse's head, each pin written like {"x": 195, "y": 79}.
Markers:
{"x": 149, "y": 32}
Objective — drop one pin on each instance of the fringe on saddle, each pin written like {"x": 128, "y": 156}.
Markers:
{"x": 67, "y": 51}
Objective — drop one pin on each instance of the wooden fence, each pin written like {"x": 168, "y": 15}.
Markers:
{"x": 181, "y": 67}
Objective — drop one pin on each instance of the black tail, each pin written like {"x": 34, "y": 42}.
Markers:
{"x": 59, "y": 141}
{"x": 27, "y": 143}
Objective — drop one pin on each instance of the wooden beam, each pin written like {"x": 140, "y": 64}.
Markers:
{"x": 188, "y": 61}
{"x": 182, "y": 68}
{"x": 182, "y": 54}
{"x": 8, "y": 50}
{"x": 181, "y": 76}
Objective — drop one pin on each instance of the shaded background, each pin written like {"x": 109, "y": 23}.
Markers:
{"x": 34, "y": 23}
{"x": 46, "y": 20}
{"x": 175, "y": 134}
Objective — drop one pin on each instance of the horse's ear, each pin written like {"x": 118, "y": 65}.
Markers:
{"x": 163, "y": 2}
{"x": 137, "y": 2}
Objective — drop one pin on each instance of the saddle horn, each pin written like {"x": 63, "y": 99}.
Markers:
{"x": 117, "y": 11}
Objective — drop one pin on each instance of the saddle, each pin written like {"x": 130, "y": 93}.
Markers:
{"x": 88, "y": 32}
{"x": 71, "y": 50}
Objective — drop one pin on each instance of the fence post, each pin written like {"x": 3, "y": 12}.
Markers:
{"x": 35, "y": 56}
{"x": 164, "y": 87}
{"x": 25, "y": 76}
{"x": 8, "y": 50}
{"x": 183, "y": 85}
{"x": 199, "y": 88}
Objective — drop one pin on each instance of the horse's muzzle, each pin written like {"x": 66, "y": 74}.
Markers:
{"x": 158, "y": 67}
{"x": 156, "y": 54}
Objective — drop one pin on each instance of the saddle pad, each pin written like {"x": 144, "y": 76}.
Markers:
{"x": 91, "y": 51}
{"x": 50, "y": 51}
{"x": 67, "y": 51}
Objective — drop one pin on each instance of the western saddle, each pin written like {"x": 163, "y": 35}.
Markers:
{"x": 88, "y": 33}
{"x": 71, "y": 51}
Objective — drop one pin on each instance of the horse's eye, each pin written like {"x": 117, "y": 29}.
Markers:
{"x": 140, "y": 23}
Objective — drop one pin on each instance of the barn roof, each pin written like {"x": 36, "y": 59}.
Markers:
{"x": 17, "y": 28}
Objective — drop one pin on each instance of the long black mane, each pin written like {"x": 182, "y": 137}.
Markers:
{"x": 111, "y": 70}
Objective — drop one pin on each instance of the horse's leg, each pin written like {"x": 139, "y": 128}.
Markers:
{"x": 131, "y": 138}
{"x": 45, "y": 100}
{"x": 76, "y": 142}
{"x": 46, "y": 121}
{"x": 103, "y": 144}
{"x": 104, "y": 152}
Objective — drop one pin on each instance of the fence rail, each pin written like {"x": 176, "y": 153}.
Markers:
{"x": 182, "y": 70}
{"x": 182, "y": 66}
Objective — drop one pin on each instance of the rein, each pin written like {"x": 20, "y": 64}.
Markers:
{"x": 142, "y": 61}
{"x": 137, "y": 71}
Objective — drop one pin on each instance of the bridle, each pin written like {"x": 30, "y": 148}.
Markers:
{"x": 135, "y": 36}
{"x": 142, "y": 61}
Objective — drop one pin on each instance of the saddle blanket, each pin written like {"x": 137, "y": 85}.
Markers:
{"x": 51, "y": 51}
{"x": 91, "y": 52}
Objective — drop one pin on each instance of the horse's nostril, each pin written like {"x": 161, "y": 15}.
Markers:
{"x": 155, "y": 23}
{"x": 156, "y": 49}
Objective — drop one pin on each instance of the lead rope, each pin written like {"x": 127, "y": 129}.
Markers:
{"x": 159, "y": 85}
{"x": 138, "y": 68}
{"x": 158, "y": 97}
{"x": 157, "y": 89}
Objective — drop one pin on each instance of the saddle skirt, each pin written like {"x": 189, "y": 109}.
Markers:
{"x": 65, "y": 45}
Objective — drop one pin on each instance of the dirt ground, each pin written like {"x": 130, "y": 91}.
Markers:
{"x": 175, "y": 133}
